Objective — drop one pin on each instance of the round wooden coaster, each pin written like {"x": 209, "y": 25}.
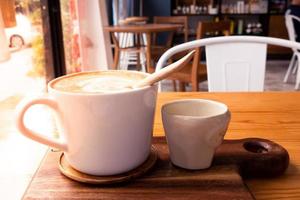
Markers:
{"x": 76, "y": 175}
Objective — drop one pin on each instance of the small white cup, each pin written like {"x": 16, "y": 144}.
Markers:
{"x": 194, "y": 128}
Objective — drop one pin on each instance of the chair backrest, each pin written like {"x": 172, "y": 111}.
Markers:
{"x": 134, "y": 20}
{"x": 221, "y": 27}
{"x": 290, "y": 26}
{"x": 182, "y": 20}
{"x": 236, "y": 66}
{"x": 234, "y": 63}
{"x": 127, "y": 39}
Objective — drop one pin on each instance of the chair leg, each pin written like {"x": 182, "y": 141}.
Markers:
{"x": 174, "y": 85}
{"x": 195, "y": 86}
{"x": 291, "y": 65}
{"x": 121, "y": 60}
{"x": 126, "y": 60}
{"x": 295, "y": 66}
{"x": 181, "y": 86}
{"x": 143, "y": 61}
{"x": 116, "y": 59}
{"x": 138, "y": 61}
{"x": 298, "y": 77}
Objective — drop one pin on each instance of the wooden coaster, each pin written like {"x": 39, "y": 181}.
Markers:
{"x": 76, "y": 175}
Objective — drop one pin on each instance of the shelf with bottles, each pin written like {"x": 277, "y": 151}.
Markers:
{"x": 195, "y": 7}
{"x": 244, "y": 14}
{"x": 246, "y": 27}
{"x": 215, "y": 7}
{"x": 244, "y": 7}
{"x": 248, "y": 17}
{"x": 239, "y": 26}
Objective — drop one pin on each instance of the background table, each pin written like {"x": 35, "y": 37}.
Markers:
{"x": 147, "y": 29}
{"x": 271, "y": 115}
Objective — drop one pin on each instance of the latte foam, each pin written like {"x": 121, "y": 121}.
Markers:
{"x": 98, "y": 82}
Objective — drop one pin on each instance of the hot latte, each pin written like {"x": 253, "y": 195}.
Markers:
{"x": 97, "y": 82}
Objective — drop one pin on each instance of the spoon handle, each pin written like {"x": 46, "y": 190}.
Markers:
{"x": 166, "y": 71}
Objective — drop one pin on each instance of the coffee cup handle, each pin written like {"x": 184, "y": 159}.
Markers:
{"x": 20, "y": 113}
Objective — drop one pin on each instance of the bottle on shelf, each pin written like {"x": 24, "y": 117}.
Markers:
{"x": 240, "y": 27}
{"x": 194, "y": 8}
{"x": 254, "y": 28}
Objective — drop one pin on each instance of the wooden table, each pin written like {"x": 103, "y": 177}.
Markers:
{"x": 271, "y": 115}
{"x": 148, "y": 30}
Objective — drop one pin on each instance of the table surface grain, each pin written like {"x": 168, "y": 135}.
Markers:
{"x": 270, "y": 115}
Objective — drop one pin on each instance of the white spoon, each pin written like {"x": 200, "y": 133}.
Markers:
{"x": 164, "y": 72}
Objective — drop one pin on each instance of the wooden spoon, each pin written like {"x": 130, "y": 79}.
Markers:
{"x": 165, "y": 72}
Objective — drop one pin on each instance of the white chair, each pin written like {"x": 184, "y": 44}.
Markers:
{"x": 132, "y": 55}
{"x": 294, "y": 63}
{"x": 234, "y": 63}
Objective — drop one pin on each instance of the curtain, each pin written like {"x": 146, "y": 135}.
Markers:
{"x": 126, "y": 8}
{"x": 4, "y": 51}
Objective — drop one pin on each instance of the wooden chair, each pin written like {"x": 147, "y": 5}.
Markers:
{"x": 134, "y": 20}
{"x": 158, "y": 50}
{"x": 129, "y": 47}
{"x": 182, "y": 20}
{"x": 195, "y": 72}
{"x": 234, "y": 63}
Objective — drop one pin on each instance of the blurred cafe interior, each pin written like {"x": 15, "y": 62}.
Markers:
{"x": 44, "y": 39}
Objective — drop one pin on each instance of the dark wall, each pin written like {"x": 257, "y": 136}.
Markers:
{"x": 133, "y": 8}
{"x": 109, "y": 11}
{"x": 150, "y": 8}
{"x": 157, "y": 8}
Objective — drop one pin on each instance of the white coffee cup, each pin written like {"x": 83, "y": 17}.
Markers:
{"x": 194, "y": 128}
{"x": 102, "y": 133}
